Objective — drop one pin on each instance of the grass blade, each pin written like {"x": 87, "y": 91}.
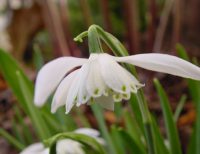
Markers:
{"x": 134, "y": 130}
{"x": 170, "y": 125}
{"x": 117, "y": 140}
{"x": 35, "y": 115}
{"x": 11, "y": 139}
{"x": 159, "y": 141}
{"x": 97, "y": 110}
{"x": 130, "y": 144}
{"x": 25, "y": 129}
{"x": 179, "y": 107}
{"x": 194, "y": 89}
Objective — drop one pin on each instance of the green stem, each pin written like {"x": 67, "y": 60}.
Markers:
{"x": 112, "y": 42}
{"x": 95, "y": 47}
{"x": 94, "y": 40}
{"x": 81, "y": 36}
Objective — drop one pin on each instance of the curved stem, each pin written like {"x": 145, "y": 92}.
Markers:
{"x": 80, "y": 37}
{"x": 94, "y": 40}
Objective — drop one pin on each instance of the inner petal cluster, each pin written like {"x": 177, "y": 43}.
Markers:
{"x": 101, "y": 76}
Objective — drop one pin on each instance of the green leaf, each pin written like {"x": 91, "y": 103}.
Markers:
{"x": 130, "y": 144}
{"x": 17, "y": 132}
{"x": 194, "y": 89}
{"x": 133, "y": 129}
{"x": 159, "y": 141}
{"x": 23, "y": 90}
{"x": 97, "y": 110}
{"x": 194, "y": 86}
{"x": 134, "y": 104}
{"x": 9, "y": 67}
{"x": 117, "y": 140}
{"x": 23, "y": 126}
{"x": 11, "y": 139}
{"x": 84, "y": 139}
{"x": 192, "y": 142}
{"x": 35, "y": 115}
{"x": 170, "y": 125}
{"x": 179, "y": 107}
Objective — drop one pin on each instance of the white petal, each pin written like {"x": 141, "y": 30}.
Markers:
{"x": 95, "y": 84}
{"x": 88, "y": 131}
{"x": 36, "y": 148}
{"x": 92, "y": 133}
{"x": 77, "y": 92}
{"x": 106, "y": 102}
{"x": 73, "y": 92}
{"x": 83, "y": 95}
{"x": 68, "y": 146}
{"x": 51, "y": 74}
{"x": 114, "y": 75}
{"x": 163, "y": 63}
{"x": 60, "y": 95}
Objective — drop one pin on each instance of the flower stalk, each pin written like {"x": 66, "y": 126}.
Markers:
{"x": 95, "y": 47}
{"x": 94, "y": 40}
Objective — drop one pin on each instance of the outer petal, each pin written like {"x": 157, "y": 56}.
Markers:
{"x": 163, "y": 63}
{"x": 91, "y": 132}
{"x": 88, "y": 131}
{"x": 60, "y": 95}
{"x": 36, "y": 148}
{"x": 51, "y": 74}
{"x": 69, "y": 146}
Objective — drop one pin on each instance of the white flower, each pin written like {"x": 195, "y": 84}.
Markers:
{"x": 69, "y": 146}
{"x": 92, "y": 133}
{"x": 101, "y": 79}
{"x": 36, "y": 148}
{"x": 65, "y": 146}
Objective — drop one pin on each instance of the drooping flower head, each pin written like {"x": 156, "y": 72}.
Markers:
{"x": 36, "y": 148}
{"x": 101, "y": 78}
{"x": 65, "y": 146}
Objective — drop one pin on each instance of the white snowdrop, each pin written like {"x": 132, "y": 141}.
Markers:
{"x": 101, "y": 78}
{"x": 65, "y": 146}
